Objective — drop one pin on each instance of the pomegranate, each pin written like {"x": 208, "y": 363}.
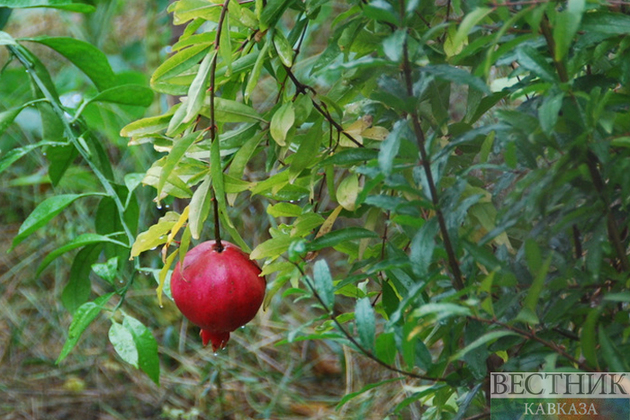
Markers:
{"x": 218, "y": 290}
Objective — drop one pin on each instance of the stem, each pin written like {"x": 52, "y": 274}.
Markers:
{"x": 302, "y": 88}
{"x": 104, "y": 181}
{"x": 532, "y": 336}
{"x": 458, "y": 282}
{"x": 213, "y": 127}
{"x": 49, "y": 97}
{"x": 359, "y": 347}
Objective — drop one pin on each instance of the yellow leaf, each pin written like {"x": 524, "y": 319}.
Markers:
{"x": 375, "y": 133}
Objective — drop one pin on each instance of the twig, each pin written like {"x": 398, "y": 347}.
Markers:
{"x": 69, "y": 132}
{"x": 349, "y": 336}
{"x": 213, "y": 126}
{"x": 532, "y": 336}
{"x": 458, "y": 282}
{"x": 303, "y": 88}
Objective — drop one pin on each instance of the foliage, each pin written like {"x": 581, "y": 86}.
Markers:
{"x": 445, "y": 182}
{"x": 74, "y": 123}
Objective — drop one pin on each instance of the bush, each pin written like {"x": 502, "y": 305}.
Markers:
{"x": 446, "y": 183}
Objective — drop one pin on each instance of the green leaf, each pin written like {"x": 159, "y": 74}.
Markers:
{"x": 229, "y": 111}
{"x": 422, "y": 248}
{"x": 393, "y": 45}
{"x": 225, "y": 45}
{"x": 615, "y": 359}
{"x": 60, "y": 159}
{"x": 177, "y": 64}
{"x": 200, "y": 207}
{"x": 122, "y": 340}
{"x": 606, "y": 23}
{"x": 7, "y": 117}
{"x": 323, "y": 284}
{"x": 467, "y": 24}
{"x": 179, "y": 149}
{"x": 69, "y": 5}
{"x": 272, "y": 12}
{"x": 340, "y": 236}
{"x": 133, "y": 180}
{"x": 365, "y": 320}
{"x": 89, "y": 59}
{"x": 243, "y": 156}
{"x": 381, "y": 10}
{"x": 228, "y": 226}
{"x": 588, "y": 339}
{"x": 305, "y": 224}
{"x": 78, "y": 242}
{"x": 549, "y": 111}
{"x": 352, "y": 156}
{"x": 283, "y": 48}
{"x": 107, "y": 270}
{"x": 252, "y": 82}
{"x": 441, "y": 310}
{"x": 218, "y": 182}
{"x": 271, "y": 248}
{"x": 533, "y": 61}
{"x": 82, "y": 318}
{"x": 146, "y": 126}
{"x": 176, "y": 124}
{"x": 307, "y": 153}
{"x": 566, "y": 26}
{"x": 14, "y": 155}
{"x": 185, "y": 10}
{"x": 79, "y": 286}
{"x": 390, "y": 147}
{"x": 618, "y": 297}
{"x": 528, "y": 313}
{"x": 156, "y": 235}
{"x": 385, "y": 347}
{"x": 533, "y": 255}
{"x": 146, "y": 347}
{"x": 42, "y": 214}
{"x": 284, "y": 210}
{"x": 281, "y": 123}
{"x": 457, "y": 75}
{"x": 126, "y": 95}
{"x": 486, "y": 338}
{"x": 197, "y": 90}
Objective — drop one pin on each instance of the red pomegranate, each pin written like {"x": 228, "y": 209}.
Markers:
{"x": 218, "y": 290}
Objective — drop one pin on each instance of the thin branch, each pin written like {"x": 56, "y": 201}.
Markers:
{"x": 50, "y": 98}
{"x": 458, "y": 282}
{"x": 213, "y": 125}
{"x": 353, "y": 340}
{"x": 303, "y": 88}
{"x": 69, "y": 132}
{"x": 532, "y": 336}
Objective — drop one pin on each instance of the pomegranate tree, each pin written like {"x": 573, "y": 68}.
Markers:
{"x": 219, "y": 289}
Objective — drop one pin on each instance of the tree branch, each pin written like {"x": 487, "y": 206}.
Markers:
{"x": 532, "y": 336}
{"x": 302, "y": 88}
{"x": 458, "y": 282}
{"x": 213, "y": 125}
{"x": 353, "y": 340}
